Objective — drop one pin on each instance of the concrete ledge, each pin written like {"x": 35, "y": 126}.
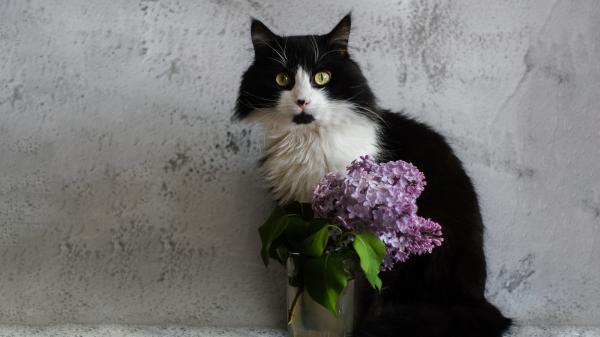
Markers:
{"x": 554, "y": 331}
{"x": 70, "y": 330}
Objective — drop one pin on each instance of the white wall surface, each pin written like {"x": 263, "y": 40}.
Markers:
{"x": 127, "y": 196}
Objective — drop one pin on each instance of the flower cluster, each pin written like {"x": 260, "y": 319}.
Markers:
{"x": 380, "y": 198}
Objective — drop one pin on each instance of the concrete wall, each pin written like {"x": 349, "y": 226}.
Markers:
{"x": 127, "y": 196}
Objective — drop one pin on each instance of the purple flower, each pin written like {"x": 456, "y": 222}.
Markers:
{"x": 380, "y": 198}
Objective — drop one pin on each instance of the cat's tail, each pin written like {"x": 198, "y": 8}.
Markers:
{"x": 474, "y": 319}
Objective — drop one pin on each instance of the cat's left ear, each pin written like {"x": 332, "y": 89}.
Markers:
{"x": 339, "y": 35}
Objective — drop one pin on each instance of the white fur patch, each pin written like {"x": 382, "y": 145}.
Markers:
{"x": 299, "y": 155}
{"x": 302, "y": 88}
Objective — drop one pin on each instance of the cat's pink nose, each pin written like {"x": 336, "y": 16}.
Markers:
{"x": 302, "y": 103}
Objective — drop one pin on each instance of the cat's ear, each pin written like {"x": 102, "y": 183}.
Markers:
{"x": 261, "y": 35}
{"x": 339, "y": 35}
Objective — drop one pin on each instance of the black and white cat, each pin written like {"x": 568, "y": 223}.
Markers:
{"x": 319, "y": 114}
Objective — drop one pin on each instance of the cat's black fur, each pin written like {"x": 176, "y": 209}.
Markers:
{"x": 257, "y": 89}
{"x": 434, "y": 295}
{"x": 442, "y": 293}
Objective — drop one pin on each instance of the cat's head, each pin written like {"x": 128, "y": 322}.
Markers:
{"x": 299, "y": 81}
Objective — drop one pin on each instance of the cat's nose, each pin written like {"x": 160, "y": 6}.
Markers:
{"x": 302, "y": 103}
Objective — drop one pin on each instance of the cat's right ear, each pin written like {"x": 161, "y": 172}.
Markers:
{"x": 261, "y": 35}
{"x": 339, "y": 35}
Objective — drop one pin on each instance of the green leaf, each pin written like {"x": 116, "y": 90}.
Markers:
{"x": 271, "y": 230}
{"x": 315, "y": 244}
{"x": 325, "y": 279}
{"x": 308, "y": 237}
{"x": 370, "y": 251}
{"x": 279, "y": 250}
{"x": 306, "y": 211}
{"x": 300, "y": 230}
{"x": 297, "y": 230}
{"x": 303, "y": 209}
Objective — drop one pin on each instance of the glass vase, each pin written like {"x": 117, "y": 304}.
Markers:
{"x": 307, "y": 318}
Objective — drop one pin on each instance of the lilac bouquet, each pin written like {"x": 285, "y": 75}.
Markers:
{"x": 364, "y": 221}
{"x": 382, "y": 199}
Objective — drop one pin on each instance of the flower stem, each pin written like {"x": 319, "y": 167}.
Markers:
{"x": 294, "y": 306}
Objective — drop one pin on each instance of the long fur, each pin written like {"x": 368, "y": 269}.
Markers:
{"x": 434, "y": 295}
{"x": 297, "y": 157}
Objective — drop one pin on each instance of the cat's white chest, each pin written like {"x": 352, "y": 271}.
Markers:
{"x": 296, "y": 160}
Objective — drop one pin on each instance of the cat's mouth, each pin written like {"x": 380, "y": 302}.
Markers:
{"x": 303, "y": 118}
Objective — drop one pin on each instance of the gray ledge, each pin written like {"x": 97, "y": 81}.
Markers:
{"x": 69, "y": 330}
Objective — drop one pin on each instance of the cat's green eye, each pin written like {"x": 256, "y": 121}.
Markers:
{"x": 282, "y": 79}
{"x": 322, "y": 77}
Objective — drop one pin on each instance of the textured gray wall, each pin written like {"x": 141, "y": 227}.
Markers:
{"x": 127, "y": 196}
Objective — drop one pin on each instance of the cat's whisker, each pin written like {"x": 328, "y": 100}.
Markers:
{"x": 259, "y": 97}
{"x": 372, "y": 113}
{"x": 329, "y": 52}
{"x": 356, "y": 95}
{"x": 316, "y": 49}
{"x": 282, "y": 49}
{"x": 278, "y": 61}
{"x": 283, "y": 59}
{"x": 247, "y": 104}
{"x": 285, "y": 49}
{"x": 375, "y": 114}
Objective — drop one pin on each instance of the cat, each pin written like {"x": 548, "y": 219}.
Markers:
{"x": 319, "y": 113}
